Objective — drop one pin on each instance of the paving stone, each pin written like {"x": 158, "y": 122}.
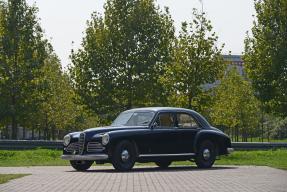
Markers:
{"x": 146, "y": 179}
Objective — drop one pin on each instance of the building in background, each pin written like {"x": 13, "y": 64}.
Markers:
{"x": 231, "y": 61}
{"x": 235, "y": 61}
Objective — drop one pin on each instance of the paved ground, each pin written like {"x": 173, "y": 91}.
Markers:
{"x": 221, "y": 179}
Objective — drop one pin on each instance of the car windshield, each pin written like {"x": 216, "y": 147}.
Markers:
{"x": 133, "y": 119}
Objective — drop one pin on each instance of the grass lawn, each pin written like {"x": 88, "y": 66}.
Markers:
{"x": 45, "y": 157}
{"x": 7, "y": 177}
{"x": 37, "y": 157}
{"x": 271, "y": 158}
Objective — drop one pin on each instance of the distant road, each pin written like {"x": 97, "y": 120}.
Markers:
{"x": 27, "y": 144}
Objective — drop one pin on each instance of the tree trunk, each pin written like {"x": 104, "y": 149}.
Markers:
{"x": 53, "y": 133}
{"x": 130, "y": 87}
{"x": 24, "y": 133}
{"x": 7, "y": 132}
{"x": 58, "y": 134}
{"x": 268, "y": 133}
{"x": 46, "y": 128}
{"x": 33, "y": 132}
{"x": 39, "y": 134}
{"x": 189, "y": 102}
{"x": 129, "y": 105}
{"x": 237, "y": 134}
{"x": 14, "y": 127}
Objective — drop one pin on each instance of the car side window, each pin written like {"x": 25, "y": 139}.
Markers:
{"x": 186, "y": 121}
{"x": 165, "y": 120}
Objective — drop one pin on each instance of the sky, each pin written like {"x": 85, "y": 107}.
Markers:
{"x": 64, "y": 21}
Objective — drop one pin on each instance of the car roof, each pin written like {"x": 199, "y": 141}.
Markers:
{"x": 172, "y": 109}
{"x": 156, "y": 109}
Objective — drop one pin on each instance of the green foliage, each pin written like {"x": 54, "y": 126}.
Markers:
{"x": 57, "y": 104}
{"x": 34, "y": 91}
{"x": 266, "y": 54}
{"x": 36, "y": 157}
{"x": 278, "y": 127}
{"x": 197, "y": 61}
{"x": 22, "y": 54}
{"x": 129, "y": 58}
{"x": 235, "y": 104}
{"x": 123, "y": 55}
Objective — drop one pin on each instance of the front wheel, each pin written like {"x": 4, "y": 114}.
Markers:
{"x": 206, "y": 154}
{"x": 81, "y": 165}
{"x": 124, "y": 156}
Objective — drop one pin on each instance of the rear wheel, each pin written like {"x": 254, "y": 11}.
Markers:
{"x": 124, "y": 156}
{"x": 206, "y": 154}
{"x": 163, "y": 164}
{"x": 81, "y": 165}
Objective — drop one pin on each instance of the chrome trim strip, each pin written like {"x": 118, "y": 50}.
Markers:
{"x": 166, "y": 155}
{"x": 81, "y": 142}
{"x": 95, "y": 147}
{"x": 230, "y": 150}
{"x": 85, "y": 157}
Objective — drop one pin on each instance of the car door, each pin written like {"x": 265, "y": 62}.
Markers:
{"x": 164, "y": 134}
{"x": 187, "y": 129}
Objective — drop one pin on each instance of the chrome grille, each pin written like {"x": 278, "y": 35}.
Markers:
{"x": 73, "y": 147}
{"x": 95, "y": 147}
{"x": 81, "y": 143}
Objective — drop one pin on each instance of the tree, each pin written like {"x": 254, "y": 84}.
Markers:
{"x": 197, "y": 61}
{"x": 22, "y": 53}
{"x": 278, "y": 127}
{"x": 123, "y": 55}
{"x": 235, "y": 105}
{"x": 266, "y": 54}
{"x": 57, "y": 106}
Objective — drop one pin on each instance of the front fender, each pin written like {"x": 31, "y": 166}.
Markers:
{"x": 131, "y": 135}
{"x": 126, "y": 134}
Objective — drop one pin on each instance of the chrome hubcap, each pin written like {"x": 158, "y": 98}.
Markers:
{"x": 125, "y": 155}
{"x": 206, "y": 154}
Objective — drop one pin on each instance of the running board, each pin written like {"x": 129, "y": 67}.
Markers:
{"x": 167, "y": 155}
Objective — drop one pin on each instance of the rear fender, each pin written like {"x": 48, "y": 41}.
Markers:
{"x": 221, "y": 140}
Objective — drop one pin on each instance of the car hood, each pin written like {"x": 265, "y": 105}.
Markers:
{"x": 112, "y": 128}
{"x": 97, "y": 130}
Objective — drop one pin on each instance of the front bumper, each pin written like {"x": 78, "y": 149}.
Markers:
{"x": 92, "y": 157}
{"x": 230, "y": 150}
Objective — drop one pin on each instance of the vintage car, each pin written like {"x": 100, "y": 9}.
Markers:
{"x": 156, "y": 134}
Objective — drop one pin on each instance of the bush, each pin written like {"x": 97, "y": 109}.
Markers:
{"x": 278, "y": 128}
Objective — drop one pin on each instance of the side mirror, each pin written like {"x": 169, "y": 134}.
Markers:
{"x": 154, "y": 125}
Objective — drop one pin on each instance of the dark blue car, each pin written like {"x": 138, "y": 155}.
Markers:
{"x": 157, "y": 134}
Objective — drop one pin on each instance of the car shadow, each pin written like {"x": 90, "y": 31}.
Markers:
{"x": 110, "y": 169}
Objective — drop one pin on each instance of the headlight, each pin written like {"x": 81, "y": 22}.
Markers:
{"x": 105, "y": 139}
{"x": 67, "y": 140}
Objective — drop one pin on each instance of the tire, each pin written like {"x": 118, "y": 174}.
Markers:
{"x": 81, "y": 165}
{"x": 163, "y": 164}
{"x": 206, "y": 154}
{"x": 124, "y": 156}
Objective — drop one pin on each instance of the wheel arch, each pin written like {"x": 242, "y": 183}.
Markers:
{"x": 220, "y": 140}
{"x": 117, "y": 140}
